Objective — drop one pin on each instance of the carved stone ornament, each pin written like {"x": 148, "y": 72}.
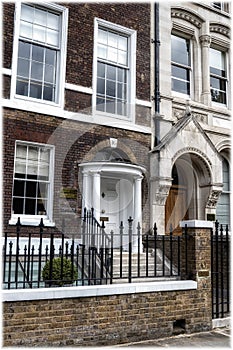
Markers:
{"x": 219, "y": 28}
{"x": 213, "y": 199}
{"x": 205, "y": 40}
{"x": 161, "y": 196}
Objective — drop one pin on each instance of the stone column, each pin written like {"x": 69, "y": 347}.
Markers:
{"x": 96, "y": 195}
{"x": 198, "y": 260}
{"x": 137, "y": 210}
{"x": 205, "y": 40}
{"x": 86, "y": 191}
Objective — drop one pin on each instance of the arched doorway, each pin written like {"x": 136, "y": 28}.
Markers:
{"x": 187, "y": 198}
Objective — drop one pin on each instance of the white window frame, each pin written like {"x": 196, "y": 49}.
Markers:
{"x": 62, "y": 55}
{"x": 131, "y": 82}
{"x": 191, "y": 82}
{"x": 214, "y": 103}
{"x": 34, "y": 220}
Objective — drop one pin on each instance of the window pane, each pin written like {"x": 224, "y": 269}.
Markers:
{"x": 42, "y": 191}
{"x": 52, "y": 37}
{"x": 41, "y": 207}
{"x": 112, "y": 54}
{"x": 217, "y": 59}
{"x": 122, "y": 57}
{"x": 40, "y": 17}
{"x": 101, "y": 86}
{"x": 21, "y": 87}
{"x": 20, "y": 168}
{"x": 102, "y": 36}
{"x": 110, "y": 106}
{"x": 50, "y": 57}
{"x": 39, "y": 33}
{"x": 35, "y": 90}
{"x": 18, "y": 188}
{"x": 100, "y": 104}
{"x": 18, "y": 205}
{"x": 181, "y": 86}
{"x": 26, "y": 30}
{"x": 110, "y": 88}
{"x": 101, "y": 70}
{"x": 218, "y": 96}
{"x": 111, "y": 72}
{"x": 49, "y": 74}
{"x": 37, "y": 71}
{"x": 24, "y": 50}
{"x": 181, "y": 73}
{"x": 30, "y": 206}
{"x": 37, "y": 53}
{"x": 122, "y": 43}
{"x": 31, "y": 189}
{"x": 121, "y": 75}
{"x": 53, "y": 20}
{"x": 180, "y": 50}
{"x": 27, "y": 13}
{"x": 49, "y": 93}
{"x": 21, "y": 151}
{"x": 112, "y": 39}
{"x": 23, "y": 68}
{"x": 102, "y": 51}
{"x": 44, "y": 172}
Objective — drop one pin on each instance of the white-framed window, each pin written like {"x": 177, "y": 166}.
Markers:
{"x": 180, "y": 64}
{"x": 39, "y": 53}
{"x": 33, "y": 182}
{"x": 223, "y": 206}
{"x": 114, "y": 70}
{"x": 218, "y": 76}
{"x": 222, "y": 6}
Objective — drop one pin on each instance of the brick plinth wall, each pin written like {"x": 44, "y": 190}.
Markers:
{"x": 114, "y": 319}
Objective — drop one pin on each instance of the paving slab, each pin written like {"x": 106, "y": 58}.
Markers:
{"x": 217, "y": 338}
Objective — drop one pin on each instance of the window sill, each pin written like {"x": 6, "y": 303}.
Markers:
{"x": 31, "y": 221}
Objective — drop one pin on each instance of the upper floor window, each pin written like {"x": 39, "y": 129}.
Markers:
{"x": 181, "y": 64}
{"x": 218, "y": 76}
{"x": 114, "y": 69}
{"x": 32, "y": 185}
{"x": 39, "y": 66}
{"x": 222, "y": 6}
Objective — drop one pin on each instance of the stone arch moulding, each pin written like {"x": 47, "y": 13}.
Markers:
{"x": 194, "y": 150}
{"x": 106, "y": 143}
{"x": 220, "y": 29}
{"x": 223, "y": 144}
{"x": 187, "y": 15}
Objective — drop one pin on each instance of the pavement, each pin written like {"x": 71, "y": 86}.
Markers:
{"x": 217, "y": 338}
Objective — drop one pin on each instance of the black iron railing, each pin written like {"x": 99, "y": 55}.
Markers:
{"x": 97, "y": 256}
{"x": 220, "y": 270}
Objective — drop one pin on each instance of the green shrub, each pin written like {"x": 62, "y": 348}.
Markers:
{"x": 56, "y": 278}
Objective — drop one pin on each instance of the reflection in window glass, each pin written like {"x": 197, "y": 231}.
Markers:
{"x": 112, "y": 70}
{"x": 31, "y": 180}
{"x": 38, "y": 51}
{"x": 181, "y": 64}
{"x": 218, "y": 80}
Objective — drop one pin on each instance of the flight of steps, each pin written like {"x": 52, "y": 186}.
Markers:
{"x": 134, "y": 267}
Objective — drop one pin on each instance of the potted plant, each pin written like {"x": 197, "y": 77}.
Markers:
{"x": 61, "y": 275}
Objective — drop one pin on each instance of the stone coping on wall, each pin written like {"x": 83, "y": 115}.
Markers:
{"x": 197, "y": 223}
{"x": 94, "y": 291}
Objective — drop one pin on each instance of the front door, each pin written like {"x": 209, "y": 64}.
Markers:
{"x": 176, "y": 208}
{"x": 109, "y": 203}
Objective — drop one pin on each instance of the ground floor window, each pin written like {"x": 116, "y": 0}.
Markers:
{"x": 223, "y": 206}
{"x": 32, "y": 183}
